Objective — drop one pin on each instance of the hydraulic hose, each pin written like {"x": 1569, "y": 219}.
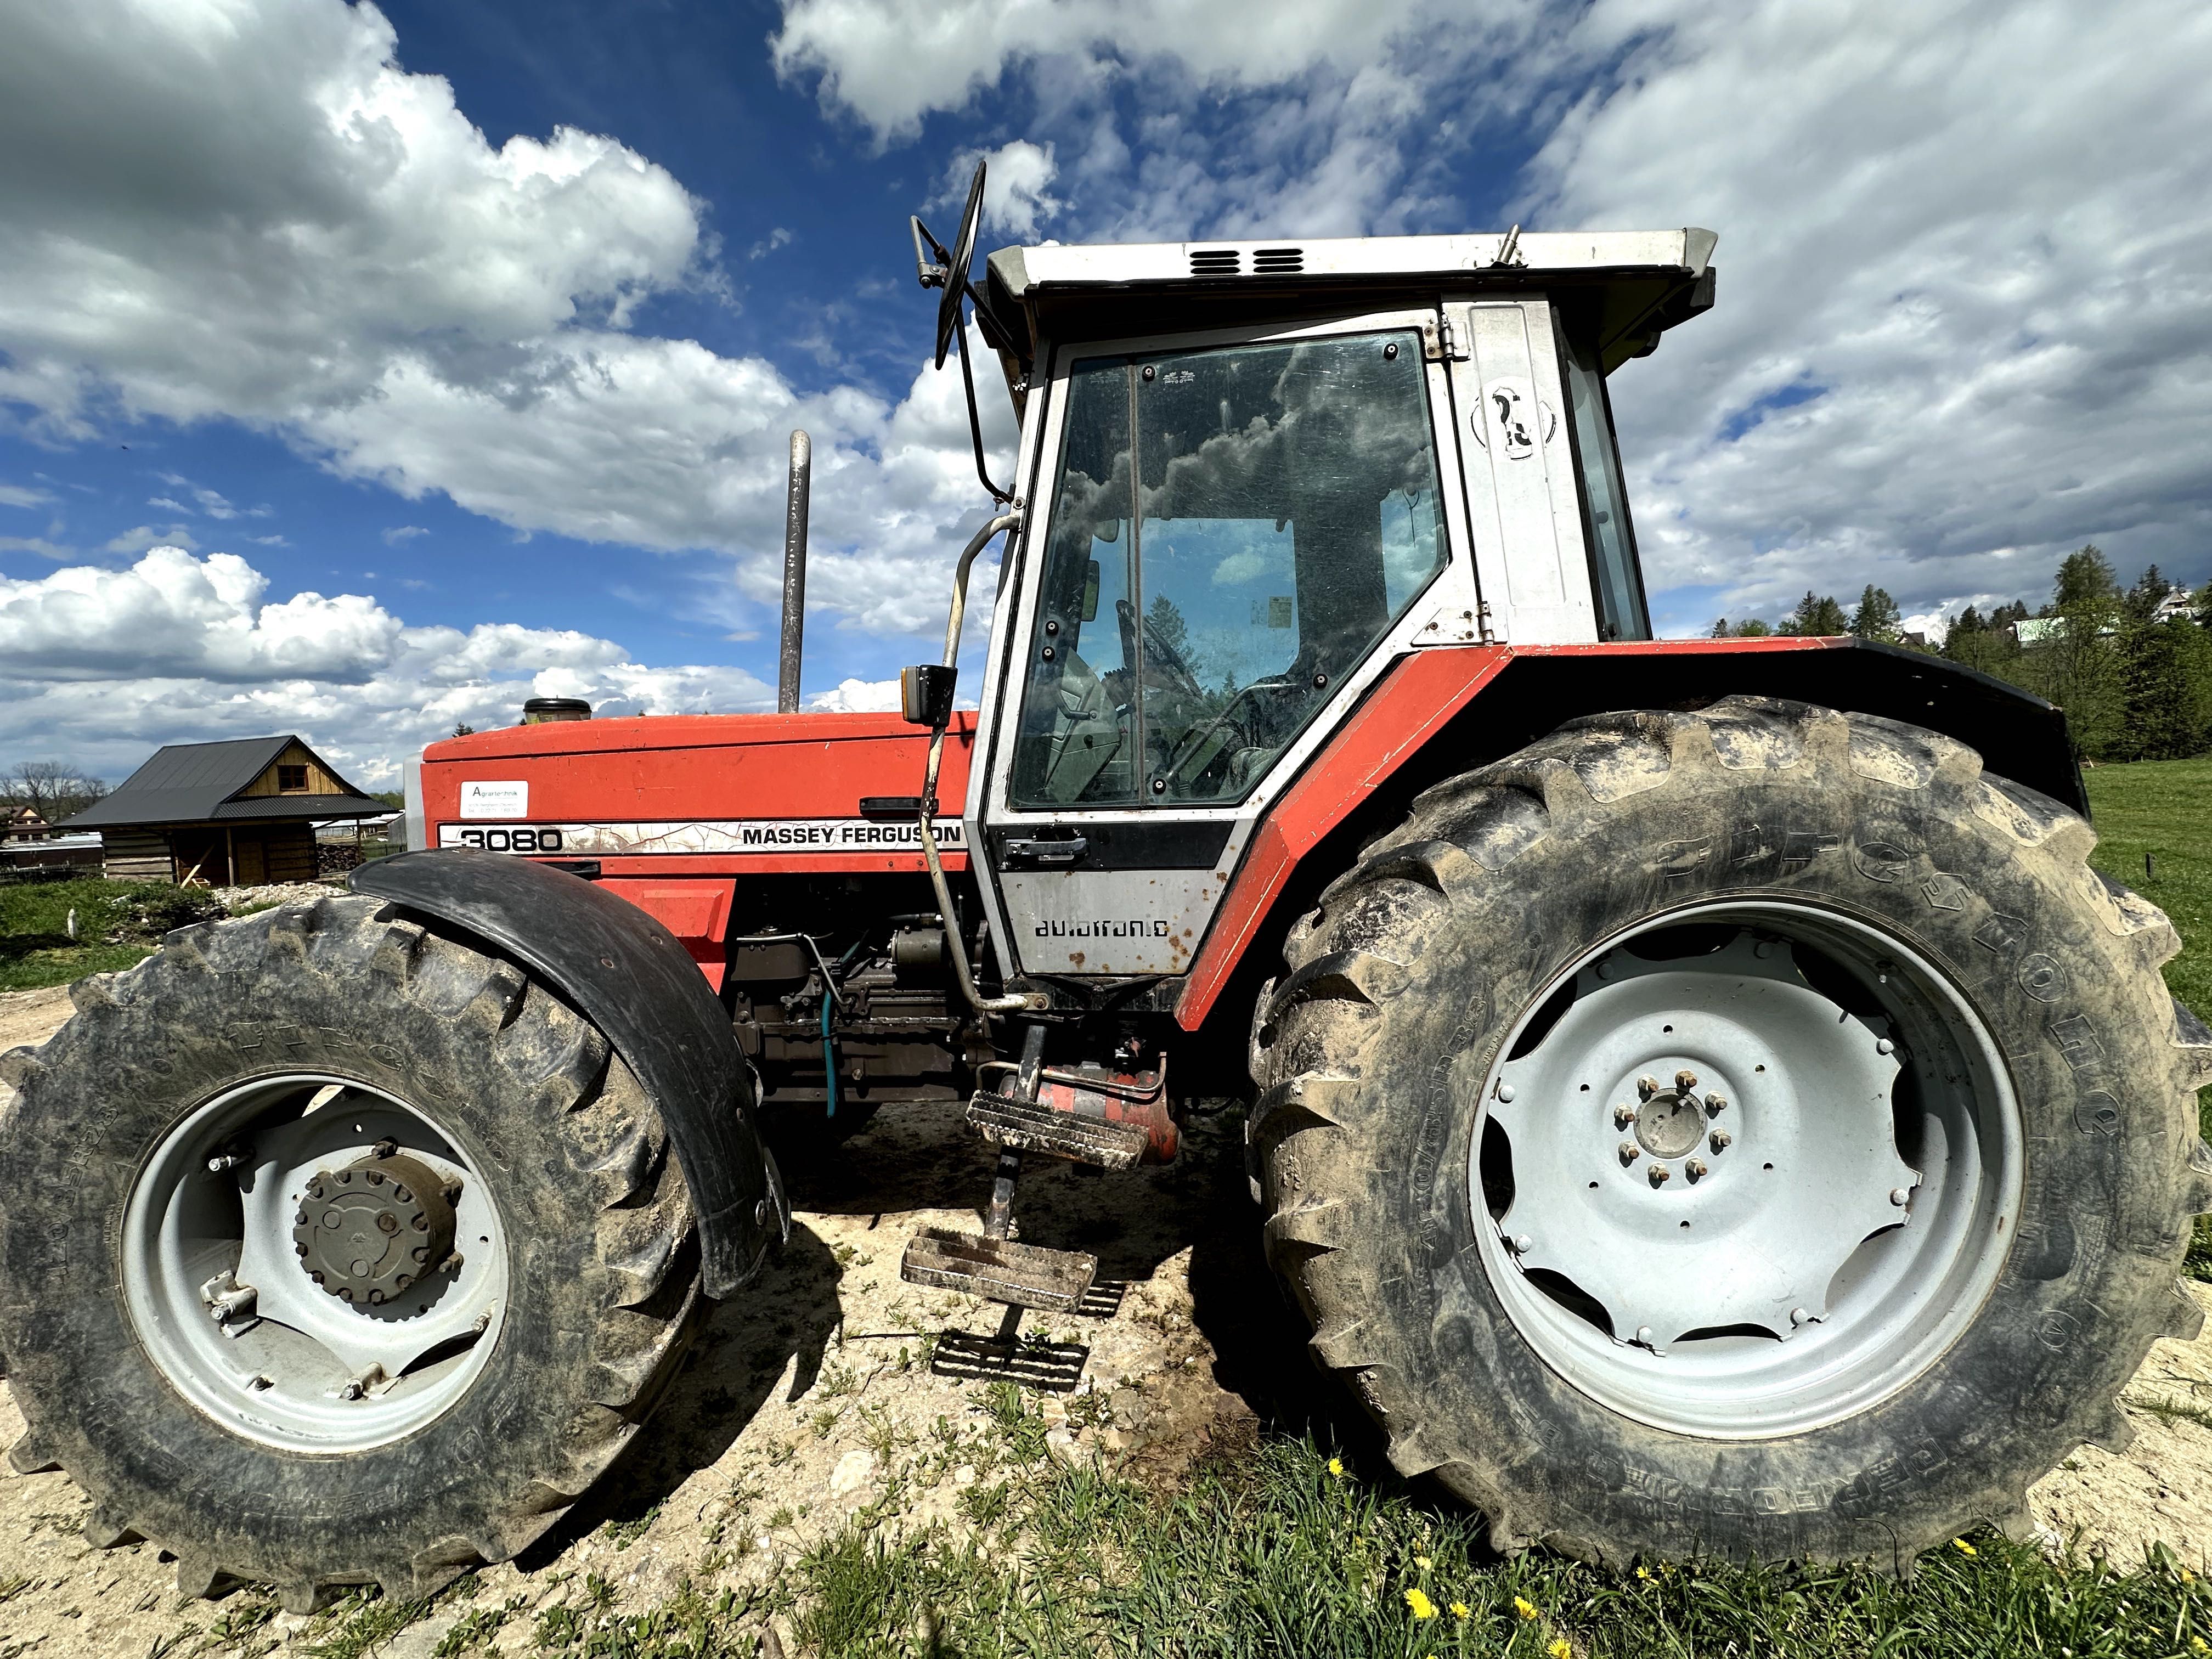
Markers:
{"x": 954, "y": 945}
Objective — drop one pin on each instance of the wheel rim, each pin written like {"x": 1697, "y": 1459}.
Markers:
{"x": 1842, "y": 1169}
{"x": 243, "y": 1198}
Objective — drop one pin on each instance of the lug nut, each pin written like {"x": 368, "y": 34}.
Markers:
{"x": 1623, "y": 1116}
{"x": 1695, "y": 1169}
{"x": 1901, "y": 1195}
{"x": 1659, "y": 1173}
{"x": 1720, "y": 1140}
{"x": 1716, "y": 1105}
{"x": 1883, "y": 1045}
{"x": 361, "y": 1382}
{"x": 1647, "y": 1086}
{"x": 1520, "y": 1243}
{"x": 1630, "y": 1152}
{"x": 1799, "y": 1315}
{"x": 1505, "y": 1089}
{"x": 1686, "y": 1080}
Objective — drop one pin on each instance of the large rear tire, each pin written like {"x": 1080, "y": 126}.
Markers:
{"x": 1753, "y": 1133}
{"x": 470, "y": 1257}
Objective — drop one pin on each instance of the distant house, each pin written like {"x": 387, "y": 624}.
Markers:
{"x": 23, "y": 823}
{"x": 236, "y": 814}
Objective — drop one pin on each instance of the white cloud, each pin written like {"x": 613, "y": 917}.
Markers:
{"x": 142, "y": 537}
{"x": 21, "y": 495}
{"x": 1016, "y": 187}
{"x": 105, "y": 665}
{"x": 890, "y": 63}
{"x": 776, "y": 239}
{"x": 2003, "y": 295}
{"x": 853, "y": 696}
{"x": 251, "y": 212}
{"x": 403, "y": 533}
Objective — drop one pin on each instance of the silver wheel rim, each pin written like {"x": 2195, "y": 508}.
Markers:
{"x": 222, "y": 1300}
{"x": 1747, "y": 1169}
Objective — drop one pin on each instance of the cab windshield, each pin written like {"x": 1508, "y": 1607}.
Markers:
{"x": 1232, "y": 532}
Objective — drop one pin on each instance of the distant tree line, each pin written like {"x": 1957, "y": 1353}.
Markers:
{"x": 2132, "y": 666}
{"x": 53, "y": 789}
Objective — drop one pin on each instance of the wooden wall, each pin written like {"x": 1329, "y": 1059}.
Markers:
{"x": 136, "y": 854}
{"x": 319, "y": 782}
{"x": 256, "y": 854}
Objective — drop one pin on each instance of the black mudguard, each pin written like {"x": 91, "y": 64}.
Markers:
{"x": 637, "y": 985}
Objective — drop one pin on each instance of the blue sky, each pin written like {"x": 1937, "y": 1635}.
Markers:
{"x": 362, "y": 371}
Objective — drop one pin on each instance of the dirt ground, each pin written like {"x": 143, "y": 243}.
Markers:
{"x": 811, "y": 1397}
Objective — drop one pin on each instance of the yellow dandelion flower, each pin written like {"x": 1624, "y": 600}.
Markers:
{"x": 1423, "y": 1563}
{"x": 1964, "y": 1547}
{"x": 2187, "y": 1576}
{"x": 1422, "y": 1606}
{"x": 1460, "y": 1610}
{"x": 1336, "y": 1467}
{"x": 1525, "y": 1607}
{"x": 1561, "y": 1649}
{"x": 2196, "y": 1645}
{"x": 1644, "y": 1573}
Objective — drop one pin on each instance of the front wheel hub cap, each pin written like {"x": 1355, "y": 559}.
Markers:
{"x": 369, "y": 1230}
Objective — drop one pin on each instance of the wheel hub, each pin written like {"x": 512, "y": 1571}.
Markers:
{"x": 1628, "y": 1187}
{"x": 369, "y": 1230}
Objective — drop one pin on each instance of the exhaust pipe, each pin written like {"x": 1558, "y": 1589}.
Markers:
{"x": 795, "y": 574}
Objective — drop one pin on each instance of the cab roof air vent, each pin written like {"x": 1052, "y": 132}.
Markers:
{"x": 1277, "y": 260}
{"x": 1215, "y": 262}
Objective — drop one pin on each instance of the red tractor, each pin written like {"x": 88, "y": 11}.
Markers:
{"x": 1699, "y": 1092}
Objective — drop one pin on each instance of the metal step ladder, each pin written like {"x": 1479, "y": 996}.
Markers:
{"x": 990, "y": 1264}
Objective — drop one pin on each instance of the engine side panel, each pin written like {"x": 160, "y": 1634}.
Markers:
{"x": 696, "y": 795}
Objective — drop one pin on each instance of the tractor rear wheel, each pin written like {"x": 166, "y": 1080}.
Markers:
{"x": 333, "y": 1252}
{"x": 1754, "y": 1131}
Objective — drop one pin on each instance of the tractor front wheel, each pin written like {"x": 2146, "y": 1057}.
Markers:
{"x": 333, "y": 1252}
{"x": 1751, "y": 1132}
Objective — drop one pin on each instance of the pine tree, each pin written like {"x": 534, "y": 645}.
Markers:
{"x": 2150, "y": 593}
{"x": 2078, "y": 665}
{"x": 1877, "y": 617}
{"x": 2167, "y": 677}
{"x": 1817, "y": 616}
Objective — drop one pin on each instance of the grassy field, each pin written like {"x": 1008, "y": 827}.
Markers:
{"x": 2163, "y": 809}
{"x": 118, "y": 923}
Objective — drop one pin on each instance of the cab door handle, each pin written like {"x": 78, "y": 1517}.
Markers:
{"x": 1046, "y": 854}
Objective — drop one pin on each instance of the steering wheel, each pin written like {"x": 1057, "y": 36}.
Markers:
{"x": 955, "y": 270}
{"x": 1155, "y": 650}
{"x": 1194, "y": 744}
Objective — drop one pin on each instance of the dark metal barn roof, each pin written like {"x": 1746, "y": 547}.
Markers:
{"x": 194, "y": 783}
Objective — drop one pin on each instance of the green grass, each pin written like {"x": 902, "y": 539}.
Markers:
{"x": 2163, "y": 808}
{"x": 118, "y": 923}
{"x": 1283, "y": 1551}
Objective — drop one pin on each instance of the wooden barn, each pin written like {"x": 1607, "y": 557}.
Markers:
{"x": 236, "y": 814}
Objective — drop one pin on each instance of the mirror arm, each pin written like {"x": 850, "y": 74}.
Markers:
{"x": 975, "y": 418}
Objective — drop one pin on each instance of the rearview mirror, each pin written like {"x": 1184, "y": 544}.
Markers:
{"x": 926, "y": 694}
{"x": 1090, "y": 592}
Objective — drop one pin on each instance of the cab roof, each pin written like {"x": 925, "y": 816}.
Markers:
{"x": 1631, "y": 284}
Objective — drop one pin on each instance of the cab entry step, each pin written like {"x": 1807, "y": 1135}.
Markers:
{"x": 1022, "y": 1275}
{"x": 1026, "y": 1126}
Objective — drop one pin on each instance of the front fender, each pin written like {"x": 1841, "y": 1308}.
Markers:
{"x": 646, "y": 994}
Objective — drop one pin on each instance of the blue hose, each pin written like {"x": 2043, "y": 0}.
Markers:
{"x": 829, "y": 1057}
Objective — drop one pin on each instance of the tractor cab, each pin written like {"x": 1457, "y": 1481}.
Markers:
{"x": 1253, "y": 477}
